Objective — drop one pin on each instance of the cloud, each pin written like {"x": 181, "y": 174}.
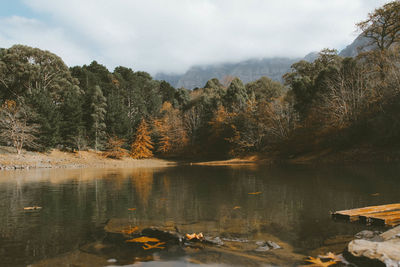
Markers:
{"x": 19, "y": 30}
{"x": 171, "y": 36}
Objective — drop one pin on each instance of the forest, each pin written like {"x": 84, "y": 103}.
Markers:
{"x": 331, "y": 103}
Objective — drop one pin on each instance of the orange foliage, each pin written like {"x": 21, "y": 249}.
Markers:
{"x": 148, "y": 246}
{"x": 130, "y": 230}
{"x": 171, "y": 130}
{"x": 114, "y": 148}
{"x": 142, "y": 146}
{"x": 318, "y": 263}
{"x": 143, "y": 239}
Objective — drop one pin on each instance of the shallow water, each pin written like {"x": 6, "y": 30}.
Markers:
{"x": 293, "y": 207}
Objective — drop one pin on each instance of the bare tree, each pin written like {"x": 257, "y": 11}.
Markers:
{"x": 14, "y": 126}
{"x": 348, "y": 95}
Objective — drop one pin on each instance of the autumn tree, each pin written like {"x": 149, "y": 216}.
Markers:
{"x": 142, "y": 146}
{"x": 115, "y": 148}
{"x": 382, "y": 26}
{"x": 382, "y": 29}
{"x": 172, "y": 133}
{"x": 15, "y": 127}
{"x": 221, "y": 132}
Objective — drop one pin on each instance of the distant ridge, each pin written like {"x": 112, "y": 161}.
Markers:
{"x": 247, "y": 71}
{"x": 253, "y": 69}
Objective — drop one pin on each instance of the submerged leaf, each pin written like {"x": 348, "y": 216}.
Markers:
{"x": 148, "y": 246}
{"x": 254, "y": 193}
{"x": 236, "y": 207}
{"x": 132, "y": 209}
{"x": 143, "y": 239}
{"x": 318, "y": 263}
{"x": 130, "y": 230}
{"x": 33, "y": 208}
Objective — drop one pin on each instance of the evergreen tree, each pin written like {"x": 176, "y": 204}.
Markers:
{"x": 236, "y": 96}
{"x": 142, "y": 145}
{"x": 98, "y": 107}
{"x": 72, "y": 120}
{"x": 46, "y": 113}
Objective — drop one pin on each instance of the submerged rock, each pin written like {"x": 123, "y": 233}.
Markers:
{"x": 266, "y": 246}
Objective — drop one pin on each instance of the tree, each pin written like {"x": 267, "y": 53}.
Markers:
{"x": 15, "y": 127}
{"x": 382, "y": 26}
{"x": 307, "y": 80}
{"x": 72, "y": 124}
{"x": 25, "y": 70}
{"x": 115, "y": 149}
{"x": 236, "y": 96}
{"x": 98, "y": 107}
{"x": 142, "y": 145}
{"x": 264, "y": 89}
{"x": 172, "y": 133}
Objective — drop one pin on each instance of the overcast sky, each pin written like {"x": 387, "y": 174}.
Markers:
{"x": 172, "y": 35}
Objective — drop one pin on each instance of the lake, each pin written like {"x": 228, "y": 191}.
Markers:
{"x": 289, "y": 205}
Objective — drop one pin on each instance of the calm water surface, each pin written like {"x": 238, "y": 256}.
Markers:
{"x": 293, "y": 207}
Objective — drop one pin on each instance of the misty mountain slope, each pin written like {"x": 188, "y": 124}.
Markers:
{"x": 251, "y": 70}
{"x": 247, "y": 71}
{"x": 360, "y": 44}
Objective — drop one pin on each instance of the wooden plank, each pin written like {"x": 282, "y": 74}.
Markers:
{"x": 367, "y": 218}
{"x": 353, "y": 214}
{"x": 384, "y": 219}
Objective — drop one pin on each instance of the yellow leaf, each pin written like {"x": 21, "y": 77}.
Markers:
{"x": 32, "y": 208}
{"x": 148, "y": 246}
{"x": 130, "y": 230}
{"x": 254, "y": 193}
{"x": 318, "y": 263}
{"x": 143, "y": 239}
{"x": 236, "y": 207}
{"x": 195, "y": 236}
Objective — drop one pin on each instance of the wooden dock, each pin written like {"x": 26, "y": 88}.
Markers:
{"x": 376, "y": 215}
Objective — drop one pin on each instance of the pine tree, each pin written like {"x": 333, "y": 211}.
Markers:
{"x": 142, "y": 145}
{"x": 98, "y": 106}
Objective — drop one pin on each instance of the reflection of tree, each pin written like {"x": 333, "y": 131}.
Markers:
{"x": 142, "y": 179}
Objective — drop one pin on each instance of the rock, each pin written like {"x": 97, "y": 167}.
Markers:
{"x": 273, "y": 245}
{"x": 383, "y": 249}
{"x": 216, "y": 240}
{"x": 262, "y": 248}
{"x": 265, "y": 246}
{"x": 387, "y": 252}
{"x": 112, "y": 260}
{"x": 369, "y": 235}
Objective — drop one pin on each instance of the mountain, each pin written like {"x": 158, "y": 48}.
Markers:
{"x": 247, "y": 71}
{"x": 360, "y": 44}
{"x": 251, "y": 70}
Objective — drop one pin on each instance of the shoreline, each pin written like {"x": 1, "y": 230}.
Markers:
{"x": 71, "y": 160}
{"x": 10, "y": 160}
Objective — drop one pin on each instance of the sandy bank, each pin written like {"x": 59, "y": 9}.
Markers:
{"x": 9, "y": 160}
{"x": 252, "y": 160}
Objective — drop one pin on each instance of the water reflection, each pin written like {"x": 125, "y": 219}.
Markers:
{"x": 293, "y": 205}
